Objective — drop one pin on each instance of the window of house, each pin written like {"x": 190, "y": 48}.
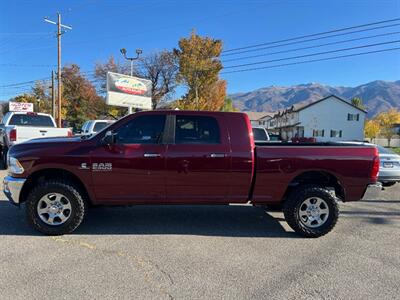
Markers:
{"x": 336, "y": 133}
{"x": 300, "y": 131}
{"x": 142, "y": 130}
{"x": 196, "y": 130}
{"x": 353, "y": 117}
{"x": 318, "y": 133}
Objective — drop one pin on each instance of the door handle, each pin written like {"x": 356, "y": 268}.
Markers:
{"x": 151, "y": 155}
{"x": 217, "y": 155}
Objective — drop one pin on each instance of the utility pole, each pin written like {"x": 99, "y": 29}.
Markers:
{"x": 138, "y": 52}
{"x": 59, "y": 33}
{"x": 53, "y": 96}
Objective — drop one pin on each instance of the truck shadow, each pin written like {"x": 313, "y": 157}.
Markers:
{"x": 224, "y": 220}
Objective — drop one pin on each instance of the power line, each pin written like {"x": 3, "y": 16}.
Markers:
{"x": 311, "y": 35}
{"x": 311, "y": 47}
{"x": 311, "y": 61}
{"x": 313, "y": 54}
{"x": 24, "y": 82}
{"x": 310, "y": 40}
{"x": 23, "y": 45}
{"x": 27, "y": 66}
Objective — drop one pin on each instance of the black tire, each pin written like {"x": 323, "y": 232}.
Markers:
{"x": 4, "y": 158}
{"x": 71, "y": 192}
{"x": 387, "y": 184}
{"x": 294, "y": 202}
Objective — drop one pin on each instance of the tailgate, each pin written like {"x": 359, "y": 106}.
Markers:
{"x": 28, "y": 133}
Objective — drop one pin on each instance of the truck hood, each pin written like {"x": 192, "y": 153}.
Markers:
{"x": 47, "y": 146}
{"x": 54, "y": 140}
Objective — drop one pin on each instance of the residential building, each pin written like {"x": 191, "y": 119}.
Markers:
{"x": 330, "y": 118}
{"x": 259, "y": 118}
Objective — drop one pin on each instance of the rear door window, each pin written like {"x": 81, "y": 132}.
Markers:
{"x": 196, "y": 130}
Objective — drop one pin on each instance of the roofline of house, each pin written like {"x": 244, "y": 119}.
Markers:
{"x": 292, "y": 108}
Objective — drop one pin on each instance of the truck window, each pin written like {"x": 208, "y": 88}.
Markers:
{"x": 99, "y": 126}
{"x": 31, "y": 120}
{"x": 142, "y": 130}
{"x": 196, "y": 130}
{"x": 259, "y": 134}
{"x": 84, "y": 127}
{"x": 87, "y": 128}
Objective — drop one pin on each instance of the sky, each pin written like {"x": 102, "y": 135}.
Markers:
{"x": 28, "y": 47}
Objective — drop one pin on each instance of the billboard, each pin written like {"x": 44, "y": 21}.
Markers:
{"x": 20, "y": 106}
{"x": 128, "y": 91}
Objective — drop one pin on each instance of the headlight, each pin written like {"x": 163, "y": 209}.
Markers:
{"x": 15, "y": 166}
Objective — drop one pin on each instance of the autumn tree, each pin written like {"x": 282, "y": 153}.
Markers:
{"x": 372, "y": 129}
{"x": 80, "y": 99}
{"x": 386, "y": 121}
{"x": 199, "y": 66}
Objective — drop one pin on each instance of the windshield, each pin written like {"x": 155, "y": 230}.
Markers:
{"x": 31, "y": 120}
{"x": 260, "y": 134}
{"x": 383, "y": 150}
{"x": 100, "y": 125}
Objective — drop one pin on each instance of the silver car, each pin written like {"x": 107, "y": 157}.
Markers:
{"x": 389, "y": 169}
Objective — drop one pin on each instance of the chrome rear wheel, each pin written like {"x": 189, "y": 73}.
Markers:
{"x": 313, "y": 212}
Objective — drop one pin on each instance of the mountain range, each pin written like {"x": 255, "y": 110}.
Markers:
{"x": 377, "y": 96}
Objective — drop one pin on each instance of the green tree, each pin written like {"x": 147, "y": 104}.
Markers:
{"x": 357, "y": 102}
{"x": 199, "y": 66}
{"x": 228, "y": 105}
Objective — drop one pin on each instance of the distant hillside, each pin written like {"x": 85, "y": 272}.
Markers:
{"x": 377, "y": 96}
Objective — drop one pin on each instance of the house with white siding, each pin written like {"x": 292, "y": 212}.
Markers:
{"x": 259, "y": 118}
{"x": 328, "y": 119}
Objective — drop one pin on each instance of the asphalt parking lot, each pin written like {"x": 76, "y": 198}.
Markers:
{"x": 206, "y": 252}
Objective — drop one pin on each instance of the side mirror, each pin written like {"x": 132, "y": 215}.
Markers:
{"x": 109, "y": 138}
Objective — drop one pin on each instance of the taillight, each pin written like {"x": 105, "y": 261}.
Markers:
{"x": 13, "y": 135}
{"x": 69, "y": 133}
{"x": 375, "y": 166}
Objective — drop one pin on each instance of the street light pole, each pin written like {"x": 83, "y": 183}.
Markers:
{"x": 131, "y": 59}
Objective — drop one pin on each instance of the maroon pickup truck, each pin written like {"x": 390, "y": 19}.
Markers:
{"x": 186, "y": 157}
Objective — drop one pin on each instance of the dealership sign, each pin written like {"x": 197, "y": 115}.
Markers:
{"x": 128, "y": 91}
{"x": 20, "y": 106}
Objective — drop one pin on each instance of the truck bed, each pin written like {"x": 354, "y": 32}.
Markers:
{"x": 281, "y": 165}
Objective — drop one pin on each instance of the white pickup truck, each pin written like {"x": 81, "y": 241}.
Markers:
{"x": 17, "y": 127}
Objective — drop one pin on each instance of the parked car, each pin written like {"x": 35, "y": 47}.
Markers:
{"x": 17, "y": 127}
{"x": 94, "y": 126}
{"x": 186, "y": 157}
{"x": 389, "y": 169}
{"x": 260, "y": 134}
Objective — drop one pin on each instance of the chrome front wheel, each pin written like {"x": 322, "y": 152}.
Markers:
{"x": 54, "y": 209}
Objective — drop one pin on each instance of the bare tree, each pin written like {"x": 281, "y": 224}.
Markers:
{"x": 101, "y": 69}
{"x": 161, "y": 69}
